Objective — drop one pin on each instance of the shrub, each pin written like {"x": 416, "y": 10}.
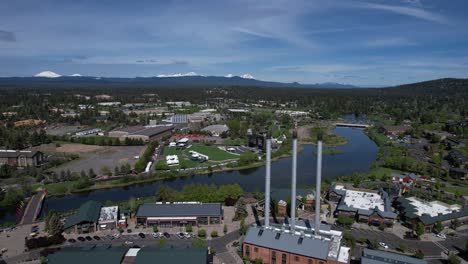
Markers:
{"x": 44, "y": 241}
{"x": 155, "y": 228}
{"x": 225, "y": 229}
{"x": 214, "y": 233}
{"x": 188, "y": 228}
{"x": 202, "y": 233}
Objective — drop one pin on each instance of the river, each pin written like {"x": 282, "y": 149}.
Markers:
{"x": 357, "y": 156}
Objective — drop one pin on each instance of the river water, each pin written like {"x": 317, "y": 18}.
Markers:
{"x": 357, "y": 156}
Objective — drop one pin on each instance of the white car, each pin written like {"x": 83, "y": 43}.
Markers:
{"x": 117, "y": 236}
{"x": 440, "y": 235}
{"x": 382, "y": 244}
{"x": 157, "y": 234}
{"x": 128, "y": 242}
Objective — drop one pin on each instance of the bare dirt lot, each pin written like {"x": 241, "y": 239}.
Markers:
{"x": 96, "y": 157}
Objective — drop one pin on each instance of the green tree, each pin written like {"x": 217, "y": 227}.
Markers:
{"x": 345, "y": 221}
{"x": 419, "y": 254}
{"x": 419, "y": 230}
{"x": 438, "y": 227}
{"x": 198, "y": 243}
{"x": 132, "y": 204}
{"x": 225, "y": 229}
{"x": 455, "y": 223}
{"x": 214, "y": 233}
{"x": 453, "y": 259}
{"x": 202, "y": 233}
{"x": 106, "y": 171}
{"x": 243, "y": 227}
{"x": 188, "y": 228}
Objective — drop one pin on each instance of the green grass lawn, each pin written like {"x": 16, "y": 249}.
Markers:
{"x": 212, "y": 152}
{"x": 171, "y": 151}
{"x": 455, "y": 189}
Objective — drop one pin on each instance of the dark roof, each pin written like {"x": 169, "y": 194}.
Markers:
{"x": 269, "y": 238}
{"x": 145, "y": 131}
{"x": 17, "y": 153}
{"x": 370, "y": 256}
{"x": 173, "y": 255}
{"x": 409, "y": 212}
{"x": 182, "y": 209}
{"x": 89, "y": 255}
{"x": 88, "y": 212}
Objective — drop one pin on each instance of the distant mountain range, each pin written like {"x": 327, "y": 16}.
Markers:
{"x": 186, "y": 80}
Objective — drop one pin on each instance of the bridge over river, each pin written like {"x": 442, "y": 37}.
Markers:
{"x": 33, "y": 208}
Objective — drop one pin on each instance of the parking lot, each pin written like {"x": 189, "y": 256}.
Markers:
{"x": 95, "y": 157}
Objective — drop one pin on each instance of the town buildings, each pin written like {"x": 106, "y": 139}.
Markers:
{"x": 395, "y": 130}
{"x": 21, "y": 158}
{"x": 179, "y": 214}
{"x": 414, "y": 211}
{"x": 144, "y": 133}
{"x": 370, "y": 256}
{"x": 366, "y": 206}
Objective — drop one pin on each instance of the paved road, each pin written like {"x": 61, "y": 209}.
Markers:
{"x": 428, "y": 248}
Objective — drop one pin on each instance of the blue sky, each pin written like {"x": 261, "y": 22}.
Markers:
{"x": 357, "y": 42}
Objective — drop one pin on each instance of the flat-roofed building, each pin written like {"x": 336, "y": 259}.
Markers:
{"x": 279, "y": 245}
{"x": 367, "y": 206}
{"x": 179, "y": 214}
{"x": 370, "y": 256}
{"x": 216, "y": 130}
{"x": 87, "y": 254}
{"x": 414, "y": 210}
{"x": 108, "y": 218}
{"x": 145, "y": 133}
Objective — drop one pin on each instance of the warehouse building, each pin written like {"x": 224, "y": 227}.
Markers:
{"x": 216, "y": 130}
{"x": 145, "y": 133}
{"x": 370, "y": 256}
{"x": 179, "y": 214}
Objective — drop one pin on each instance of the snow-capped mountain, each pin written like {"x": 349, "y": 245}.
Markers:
{"x": 48, "y": 74}
{"x": 178, "y": 75}
{"x": 247, "y": 76}
{"x": 76, "y": 75}
{"x": 229, "y": 75}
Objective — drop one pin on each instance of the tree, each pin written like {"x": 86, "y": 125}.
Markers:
{"x": 243, "y": 227}
{"x": 247, "y": 158}
{"x": 455, "y": 224}
{"x": 91, "y": 173}
{"x": 419, "y": 230}
{"x": 166, "y": 194}
{"x": 345, "y": 221}
{"x": 53, "y": 224}
{"x": 438, "y": 227}
{"x": 82, "y": 174}
{"x": 214, "y": 233}
{"x": 188, "y": 228}
{"x": 132, "y": 204}
{"x": 453, "y": 259}
{"x": 202, "y": 233}
{"x": 198, "y": 243}
{"x": 106, "y": 171}
{"x": 419, "y": 254}
{"x": 225, "y": 230}
{"x": 116, "y": 170}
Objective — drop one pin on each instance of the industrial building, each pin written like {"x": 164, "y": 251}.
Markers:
{"x": 414, "y": 210}
{"x": 294, "y": 242}
{"x": 366, "y": 206}
{"x": 145, "y": 133}
{"x": 21, "y": 158}
{"x": 370, "y": 256}
{"x": 179, "y": 214}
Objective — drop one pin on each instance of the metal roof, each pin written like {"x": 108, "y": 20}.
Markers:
{"x": 370, "y": 256}
{"x": 173, "y": 255}
{"x": 269, "y": 238}
{"x": 88, "y": 212}
{"x": 180, "y": 209}
{"x": 93, "y": 254}
{"x": 17, "y": 153}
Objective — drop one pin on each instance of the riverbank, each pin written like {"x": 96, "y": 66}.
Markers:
{"x": 309, "y": 135}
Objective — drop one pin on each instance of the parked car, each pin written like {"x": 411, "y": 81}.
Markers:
{"x": 96, "y": 238}
{"x": 127, "y": 242}
{"x": 155, "y": 235}
{"x": 141, "y": 235}
{"x": 81, "y": 238}
{"x": 382, "y": 244}
{"x": 166, "y": 234}
{"x": 440, "y": 235}
{"x": 117, "y": 235}
{"x": 187, "y": 235}
{"x": 71, "y": 240}
{"x": 89, "y": 238}
{"x": 180, "y": 235}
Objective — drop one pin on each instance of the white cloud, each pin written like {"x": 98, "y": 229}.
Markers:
{"x": 407, "y": 11}
{"x": 390, "y": 42}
